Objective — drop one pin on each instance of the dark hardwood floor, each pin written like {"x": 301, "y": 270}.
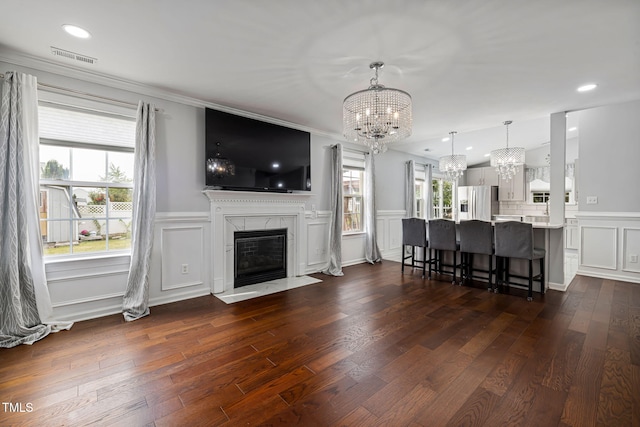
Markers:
{"x": 371, "y": 348}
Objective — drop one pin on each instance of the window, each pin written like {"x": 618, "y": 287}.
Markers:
{"x": 86, "y": 179}
{"x": 352, "y": 180}
{"x": 442, "y": 198}
{"x": 420, "y": 198}
{"x": 543, "y": 196}
{"x": 420, "y": 174}
{"x": 352, "y": 191}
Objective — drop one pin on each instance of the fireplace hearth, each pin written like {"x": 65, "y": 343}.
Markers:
{"x": 260, "y": 255}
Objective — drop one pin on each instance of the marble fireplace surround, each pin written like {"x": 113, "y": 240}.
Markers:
{"x": 244, "y": 211}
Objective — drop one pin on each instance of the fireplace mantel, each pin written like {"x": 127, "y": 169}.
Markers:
{"x": 243, "y": 211}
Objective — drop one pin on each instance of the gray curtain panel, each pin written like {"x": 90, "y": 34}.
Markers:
{"x": 21, "y": 268}
{"x": 372, "y": 252}
{"x": 409, "y": 189}
{"x": 334, "y": 267}
{"x": 136, "y": 298}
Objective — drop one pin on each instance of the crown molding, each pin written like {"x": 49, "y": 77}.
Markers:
{"x": 74, "y": 72}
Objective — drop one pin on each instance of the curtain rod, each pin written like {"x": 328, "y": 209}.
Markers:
{"x": 52, "y": 88}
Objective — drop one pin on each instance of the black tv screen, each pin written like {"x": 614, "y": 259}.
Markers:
{"x": 248, "y": 154}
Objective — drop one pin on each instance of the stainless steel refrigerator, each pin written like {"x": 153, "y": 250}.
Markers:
{"x": 477, "y": 202}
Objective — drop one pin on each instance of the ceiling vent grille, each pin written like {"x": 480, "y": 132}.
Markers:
{"x": 73, "y": 56}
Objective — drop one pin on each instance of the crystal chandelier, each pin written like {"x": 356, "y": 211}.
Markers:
{"x": 453, "y": 166}
{"x": 507, "y": 160}
{"x": 378, "y": 115}
{"x": 220, "y": 166}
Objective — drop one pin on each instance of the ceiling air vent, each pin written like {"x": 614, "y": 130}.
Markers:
{"x": 73, "y": 56}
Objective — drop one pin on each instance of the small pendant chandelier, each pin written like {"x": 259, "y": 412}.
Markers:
{"x": 507, "y": 160}
{"x": 378, "y": 115}
{"x": 220, "y": 166}
{"x": 453, "y": 166}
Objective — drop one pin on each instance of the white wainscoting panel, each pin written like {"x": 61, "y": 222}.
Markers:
{"x": 609, "y": 245}
{"x": 631, "y": 249}
{"x": 86, "y": 288}
{"x": 604, "y": 253}
{"x": 352, "y": 249}
{"x": 182, "y": 246}
{"x": 390, "y": 233}
{"x": 317, "y": 224}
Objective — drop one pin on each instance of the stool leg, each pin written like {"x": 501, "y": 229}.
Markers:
{"x": 530, "y": 294}
{"x": 490, "y": 273}
{"x": 404, "y": 249}
{"x": 455, "y": 258}
{"x": 430, "y": 263}
{"x": 506, "y": 272}
{"x": 542, "y": 277}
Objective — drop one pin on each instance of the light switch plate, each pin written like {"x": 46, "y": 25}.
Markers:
{"x": 592, "y": 200}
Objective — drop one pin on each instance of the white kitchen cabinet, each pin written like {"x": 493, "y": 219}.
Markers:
{"x": 481, "y": 176}
{"x": 571, "y": 234}
{"x": 513, "y": 189}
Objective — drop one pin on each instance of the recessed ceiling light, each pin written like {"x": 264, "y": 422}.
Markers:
{"x": 469, "y": 148}
{"x": 76, "y": 31}
{"x": 572, "y": 129}
{"x": 587, "y": 87}
{"x": 445, "y": 139}
{"x": 487, "y": 154}
{"x": 275, "y": 165}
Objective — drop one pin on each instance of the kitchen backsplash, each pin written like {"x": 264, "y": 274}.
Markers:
{"x": 521, "y": 208}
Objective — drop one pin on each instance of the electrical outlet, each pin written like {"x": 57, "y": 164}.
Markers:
{"x": 185, "y": 268}
{"x": 592, "y": 200}
{"x": 633, "y": 258}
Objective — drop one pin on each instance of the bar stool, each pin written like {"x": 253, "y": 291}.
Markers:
{"x": 476, "y": 237}
{"x": 442, "y": 237}
{"x": 414, "y": 234}
{"x": 515, "y": 240}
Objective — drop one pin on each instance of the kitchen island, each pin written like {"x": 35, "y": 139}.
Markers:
{"x": 548, "y": 236}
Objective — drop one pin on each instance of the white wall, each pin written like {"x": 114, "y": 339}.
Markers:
{"x": 609, "y": 231}
{"x": 609, "y": 152}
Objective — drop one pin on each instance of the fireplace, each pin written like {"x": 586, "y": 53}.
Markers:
{"x": 260, "y": 255}
{"x": 233, "y": 211}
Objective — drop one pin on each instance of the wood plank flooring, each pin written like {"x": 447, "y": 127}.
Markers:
{"x": 373, "y": 347}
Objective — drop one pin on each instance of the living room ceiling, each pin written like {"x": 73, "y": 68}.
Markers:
{"x": 469, "y": 65}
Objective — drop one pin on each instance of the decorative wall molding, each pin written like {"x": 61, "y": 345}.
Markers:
{"x": 604, "y": 255}
{"x": 86, "y": 300}
{"x": 630, "y": 249}
{"x": 182, "y": 245}
{"x": 609, "y": 241}
{"x": 318, "y": 226}
{"x": 389, "y": 223}
{"x": 163, "y": 217}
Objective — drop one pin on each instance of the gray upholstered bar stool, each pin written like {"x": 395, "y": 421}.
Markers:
{"x": 476, "y": 237}
{"x": 414, "y": 234}
{"x": 515, "y": 240}
{"x": 442, "y": 237}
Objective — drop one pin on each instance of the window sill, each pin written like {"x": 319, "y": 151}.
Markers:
{"x": 353, "y": 233}
{"x": 63, "y": 259}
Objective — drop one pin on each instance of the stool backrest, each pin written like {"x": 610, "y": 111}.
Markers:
{"x": 514, "y": 239}
{"x": 414, "y": 232}
{"x": 476, "y": 237}
{"x": 442, "y": 234}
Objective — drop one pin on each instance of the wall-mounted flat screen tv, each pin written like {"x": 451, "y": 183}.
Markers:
{"x": 248, "y": 154}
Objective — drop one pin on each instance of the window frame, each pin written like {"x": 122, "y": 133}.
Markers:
{"x": 68, "y": 186}
{"x": 359, "y": 197}
{"x": 440, "y": 197}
